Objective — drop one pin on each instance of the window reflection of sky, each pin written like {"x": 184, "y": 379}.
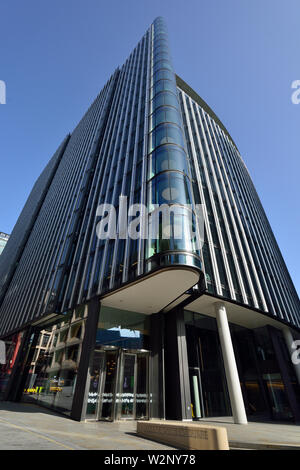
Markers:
{"x": 126, "y": 333}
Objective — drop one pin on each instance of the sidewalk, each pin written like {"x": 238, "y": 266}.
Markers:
{"x": 25, "y": 426}
{"x": 30, "y": 427}
{"x": 259, "y": 436}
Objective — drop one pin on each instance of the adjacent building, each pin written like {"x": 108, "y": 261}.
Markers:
{"x": 121, "y": 327}
{"x": 3, "y": 240}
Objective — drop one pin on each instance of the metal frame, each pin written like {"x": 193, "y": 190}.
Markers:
{"x": 116, "y": 413}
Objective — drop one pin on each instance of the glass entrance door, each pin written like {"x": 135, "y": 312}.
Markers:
{"x": 133, "y": 391}
{"x": 96, "y": 371}
{"x": 118, "y": 386}
{"x": 108, "y": 386}
{"x": 142, "y": 387}
{"x": 126, "y": 396}
{"x": 101, "y": 395}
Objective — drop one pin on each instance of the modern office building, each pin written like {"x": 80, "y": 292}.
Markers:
{"x": 123, "y": 327}
{"x": 3, "y": 240}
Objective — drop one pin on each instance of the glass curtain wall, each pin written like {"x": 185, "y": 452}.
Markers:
{"x": 53, "y": 371}
{"x": 118, "y": 378}
{"x": 263, "y": 387}
{"x": 253, "y": 388}
{"x": 168, "y": 174}
{"x": 207, "y": 375}
{"x": 271, "y": 376}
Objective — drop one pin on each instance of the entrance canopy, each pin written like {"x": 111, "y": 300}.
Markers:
{"x": 237, "y": 314}
{"x": 152, "y": 293}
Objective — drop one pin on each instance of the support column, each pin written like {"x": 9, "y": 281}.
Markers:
{"x": 289, "y": 341}
{"x": 177, "y": 382}
{"x": 156, "y": 375}
{"x": 88, "y": 345}
{"x": 232, "y": 377}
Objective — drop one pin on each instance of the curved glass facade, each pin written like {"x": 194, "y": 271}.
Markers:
{"x": 168, "y": 173}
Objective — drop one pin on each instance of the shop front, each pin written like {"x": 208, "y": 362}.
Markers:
{"x": 268, "y": 383}
{"x": 115, "y": 368}
{"x": 118, "y": 376}
{"x": 102, "y": 363}
{"x": 52, "y": 361}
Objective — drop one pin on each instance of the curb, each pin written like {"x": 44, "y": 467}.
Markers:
{"x": 263, "y": 446}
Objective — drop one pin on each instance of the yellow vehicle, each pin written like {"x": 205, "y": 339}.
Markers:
{"x": 55, "y": 389}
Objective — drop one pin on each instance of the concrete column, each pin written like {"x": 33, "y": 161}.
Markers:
{"x": 232, "y": 377}
{"x": 289, "y": 340}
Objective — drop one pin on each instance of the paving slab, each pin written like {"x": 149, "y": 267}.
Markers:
{"x": 28, "y": 426}
{"x": 260, "y": 436}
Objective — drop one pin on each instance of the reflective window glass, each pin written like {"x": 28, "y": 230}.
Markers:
{"x": 170, "y": 230}
{"x": 160, "y": 55}
{"x": 163, "y": 85}
{"x": 182, "y": 233}
{"x": 160, "y": 35}
{"x": 167, "y": 157}
{"x": 169, "y": 188}
{"x": 122, "y": 328}
{"x": 162, "y": 42}
{"x": 52, "y": 379}
{"x": 163, "y": 74}
{"x": 164, "y": 114}
{"x": 164, "y": 98}
{"x": 162, "y": 47}
{"x": 165, "y": 133}
{"x": 162, "y": 64}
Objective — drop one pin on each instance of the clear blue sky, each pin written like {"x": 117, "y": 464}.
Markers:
{"x": 241, "y": 56}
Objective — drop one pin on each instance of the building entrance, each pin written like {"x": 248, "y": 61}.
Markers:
{"x": 118, "y": 385}
{"x": 209, "y": 394}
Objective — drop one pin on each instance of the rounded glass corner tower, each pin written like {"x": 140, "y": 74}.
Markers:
{"x": 169, "y": 187}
